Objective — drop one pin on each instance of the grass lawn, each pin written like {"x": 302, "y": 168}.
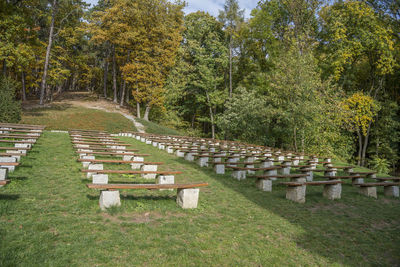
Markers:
{"x": 49, "y": 218}
{"x": 154, "y": 128}
{"x": 66, "y": 116}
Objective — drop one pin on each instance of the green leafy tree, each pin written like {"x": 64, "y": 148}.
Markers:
{"x": 10, "y": 109}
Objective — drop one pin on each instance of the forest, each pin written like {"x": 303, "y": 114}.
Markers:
{"x": 309, "y": 76}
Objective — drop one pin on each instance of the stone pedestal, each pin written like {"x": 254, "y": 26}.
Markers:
{"x": 296, "y": 193}
{"x": 391, "y": 191}
{"x": 180, "y": 154}
{"x": 264, "y": 184}
{"x": 219, "y": 168}
{"x": 155, "y": 144}
{"x": 239, "y": 174}
{"x": 202, "y": 161}
{"x": 127, "y": 158}
{"x": 332, "y": 191}
{"x": 136, "y": 166}
{"x": 148, "y": 142}
{"x": 330, "y": 172}
{"x": 271, "y": 172}
{"x": 109, "y": 199}
{"x": 369, "y": 191}
{"x": 165, "y": 179}
{"x": 149, "y": 168}
{"x": 86, "y": 164}
{"x": 357, "y": 181}
{"x": 189, "y": 156}
{"x": 188, "y": 198}
{"x": 3, "y": 173}
{"x": 97, "y": 167}
{"x": 100, "y": 178}
{"x": 8, "y": 159}
{"x": 266, "y": 164}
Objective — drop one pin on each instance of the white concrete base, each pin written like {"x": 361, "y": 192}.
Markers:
{"x": 264, "y": 185}
{"x": 165, "y": 179}
{"x": 100, "y": 178}
{"x": 3, "y": 173}
{"x": 127, "y": 158}
{"x": 149, "y": 168}
{"x": 332, "y": 191}
{"x": 137, "y": 166}
{"x": 369, "y": 191}
{"x": 86, "y": 164}
{"x": 357, "y": 181}
{"x": 202, "y": 161}
{"x": 188, "y": 198}
{"x": 391, "y": 191}
{"x": 189, "y": 156}
{"x": 97, "y": 167}
{"x": 109, "y": 199}
{"x": 239, "y": 174}
{"x": 219, "y": 168}
{"x": 296, "y": 193}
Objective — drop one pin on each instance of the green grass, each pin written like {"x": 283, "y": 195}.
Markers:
{"x": 65, "y": 117}
{"x": 154, "y": 128}
{"x": 49, "y": 218}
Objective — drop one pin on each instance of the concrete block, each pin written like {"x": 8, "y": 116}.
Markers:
{"x": 332, "y": 191}
{"x": 8, "y": 159}
{"x": 142, "y": 139}
{"x": 296, "y": 193}
{"x": 189, "y": 156}
{"x": 137, "y": 166}
{"x": 100, "y": 178}
{"x": 109, "y": 199}
{"x": 391, "y": 191}
{"x": 86, "y": 164}
{"x": 330, "y": 172}
{"x": 3, "y": 173}
{"x": 180, "y": 154}
{"x": 23, "y": 145}
{"x": 188, "y": 198}
{"x": 264, "y": 185}
{"x": 96, "y": 167}
{"x": 82, "y": 146}
{"x": 161, "y": 146}
{"x": 369, "y": 191}
{"x": 266, "y": 164}
{"x": 202, "y": 161}
{"x": 285, "y": 170}
{"x": 165, "y": 179}
{"x": 357, "y": 181}
{"x": 137, "y": 137}
{"x": 149, "y": 168}
{"x": 148, "y": 142}
{"x": 219, "y": 168}
{"x": 155, "y": 144}
{"x": 127, "y": 158}
{"x": 239, "y": 174}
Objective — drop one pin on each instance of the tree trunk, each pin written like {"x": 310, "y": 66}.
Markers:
{"x": 147, "y": 112}
{"x": 23, "y": 86}
{"x": 365, "y": 145}
{"x": 295, "y": 138}
{"x": 114, "y": 75}
{"x": 4, "y": 67}
{"x": 230, "y": 67}
{"x": 124, "y": 83}
{"x": 211, "y": 116}
{"x": 127, "y": 98}
{"x": 105, "y": 76}
{"x": 359, "y": 147}
{"x": 47, "y": 59}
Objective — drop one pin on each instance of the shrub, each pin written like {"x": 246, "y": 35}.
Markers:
{"x": 10, "y": 109}
{"x": 380, "y": 165}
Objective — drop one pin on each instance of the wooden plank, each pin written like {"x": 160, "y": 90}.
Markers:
{"x": 146, "y": 186}
{"x": 9, "y": 163}
{"x": 20, "y": 131}
{"x": 12, "y": 154}
{"x": 131, "y": 172}
{"x": 106, "y": 148}
{"x": 16, "y": 141}
{"x": 343, "y": 177}
{"x": 377, "y": 184}
{"x": 19, "y": 137}
{"x": 22, "y": 126}
{"x": 100, "y": 143}
{"x": 13, "y": 148}
{"x": 114, "y": 153}
{"x": 4, "y": 182}
{"x": 119, "y": 161}
{"x": 332, "y": 182}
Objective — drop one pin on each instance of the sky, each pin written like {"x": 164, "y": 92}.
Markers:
{"x": 210, "y": 6}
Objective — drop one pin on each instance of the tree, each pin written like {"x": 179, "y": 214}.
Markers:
{"x": 232, "y": 18}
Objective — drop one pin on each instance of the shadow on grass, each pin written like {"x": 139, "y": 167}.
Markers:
{"x": 23, "y": 178}
{"x": 9, "y": 196}
{"x": 346, "y": 231}
{"x": 38, "y": 112}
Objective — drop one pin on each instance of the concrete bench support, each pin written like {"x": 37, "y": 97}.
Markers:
{"x": 8, "y": 159}
{"x": 202, "y": 161}
{"x": 100, "y": 178}
{"x": 165, "y": 179}
{"x": 333, "y": 191}
{"x": 149, "y": 168}
{"x": 109, "y": 199}
{"x": 239, "y": 174}
{"x": 219, "y": 168}
{"x": 369, "y": 191}
{"x": 189, "y": 156}
{"x": 96, "y": 167}
{"x": 3, "y": 173}
{"x": 391, "y": 191}
{"x": 136, "y": 166}
{"x": 264, "y": 184}
{"x": 296, "y": 193}
{"x": 86, "y": 164}
{"x": 188, "y": 198}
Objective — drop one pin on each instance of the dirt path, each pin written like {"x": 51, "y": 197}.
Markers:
{"x": 88, "y": 100}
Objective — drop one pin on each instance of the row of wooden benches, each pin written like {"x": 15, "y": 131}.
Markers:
{"x": 296, "y": 188}
{"x": 89, "y": 144}
{"x": 18, "y": 140}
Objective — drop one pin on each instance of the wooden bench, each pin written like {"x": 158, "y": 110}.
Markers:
{"x": 187, "y": 194}
{"x": 240, "y": 172}
{"x": 264, "y": 182}
{"x": 87, "y": 147}
{"x": 369, "y": 189}
{"x": 296, "y": 191}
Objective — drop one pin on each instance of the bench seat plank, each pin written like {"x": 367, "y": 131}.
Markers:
{"x": 131, "y": 172}
{"x": 146, "y": 186}
{"x": 119, "y": 161}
